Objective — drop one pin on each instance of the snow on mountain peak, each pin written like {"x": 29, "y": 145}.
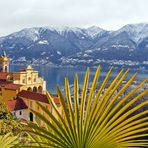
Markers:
{"x": 63, "y": 29}
{"x": 93, "y": 31}
{"x": 30, "y": 33}
{"x": 137, "y": 32}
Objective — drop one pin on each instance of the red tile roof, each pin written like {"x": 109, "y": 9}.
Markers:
{"x": 17, "y": 104}
{"x": 4, "y": 82}
{"x": 5, "y": 75}
{"x": 12, "y": 86}
{"x": 36, "y": 96}
{"x": 23, "y": 70}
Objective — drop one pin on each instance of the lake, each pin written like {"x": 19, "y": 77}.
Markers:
{"x": 56, "y": 75}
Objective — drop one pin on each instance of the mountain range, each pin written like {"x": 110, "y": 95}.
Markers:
{"x": 75, "y": 46}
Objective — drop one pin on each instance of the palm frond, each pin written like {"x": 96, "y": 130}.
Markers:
{"x": 100, "y": 118}
{"x": 8, "y": 141}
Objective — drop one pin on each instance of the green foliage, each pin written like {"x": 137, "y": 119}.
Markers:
{"x": 94, "y": 119}
{"x": 10, "y": 129}
{"x": 7, "y": 123}
{"x": 3, "y": 109}
{"x": 8, "y": 141}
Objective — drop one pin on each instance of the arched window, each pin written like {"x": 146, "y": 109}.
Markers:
{"x": 40, "y": 89}
{"x": 34, "y": 89}
{"x": 29, "y": 89}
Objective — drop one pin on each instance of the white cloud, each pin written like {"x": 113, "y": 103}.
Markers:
{"x": 109, "y": 14}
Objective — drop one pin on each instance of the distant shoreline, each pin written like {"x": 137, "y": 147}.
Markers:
{"x": 133, "y": 68}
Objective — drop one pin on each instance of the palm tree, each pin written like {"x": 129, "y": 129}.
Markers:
{"x": 94, "y": 119}
{"x": 8, "y": 141}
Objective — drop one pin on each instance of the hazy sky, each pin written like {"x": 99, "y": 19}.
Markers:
{"x": 108, "y": 14}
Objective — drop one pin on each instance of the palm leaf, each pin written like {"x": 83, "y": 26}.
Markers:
{"x": 97, "y": 119}
{"x": 8, "y": 141}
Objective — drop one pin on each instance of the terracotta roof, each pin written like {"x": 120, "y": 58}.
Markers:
{"x": 56, "y": 100}
{"x": 36, "y": 96}
{"x": 4, "y": 82}
{"x": 23, "y": 70}
{"x": 16, "y": 104}
{"x": 5, "y": 75}
{"x": 12, "y": 86}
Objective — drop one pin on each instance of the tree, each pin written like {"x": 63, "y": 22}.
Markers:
{"x": 99, "y": 120}
{"x": 7, "y": 123}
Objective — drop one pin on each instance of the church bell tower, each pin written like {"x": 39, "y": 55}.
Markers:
{"x": 4, "y": 62}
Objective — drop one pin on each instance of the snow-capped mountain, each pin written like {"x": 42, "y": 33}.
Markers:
{"x": 94, "y": 31}
{"x": 137, "y": 32}
{"x": 78, "y": 46}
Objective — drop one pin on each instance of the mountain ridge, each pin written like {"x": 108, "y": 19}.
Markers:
{"x": 77, "y": 46}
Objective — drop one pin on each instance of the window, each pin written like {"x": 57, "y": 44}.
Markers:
{"x": 29, "y": 89}
{"x": 40, "y": 89}
{"x": 34, "y": 89}
{"x": 5, "y": 68}
{"x": 20, "y": 112}
{"x": 29, "y": 79}
{"x": 23, "y": 81}
{"x": 31, "y": 116}
{"x": 34, "y": 79}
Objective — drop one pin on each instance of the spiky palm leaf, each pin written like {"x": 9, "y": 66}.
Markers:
{"x": 95, "y": 119}
{"x": 8, "y": 141}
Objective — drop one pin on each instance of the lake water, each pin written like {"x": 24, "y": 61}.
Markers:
{"x": 54, "y": 75}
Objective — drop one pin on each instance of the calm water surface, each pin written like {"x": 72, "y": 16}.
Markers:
{"x": 54, "y": 75}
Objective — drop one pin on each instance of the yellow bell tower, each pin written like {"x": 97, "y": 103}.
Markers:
{"x": 4, "y": 62}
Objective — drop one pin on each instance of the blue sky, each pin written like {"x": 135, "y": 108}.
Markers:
{"x": 108, "y": 14}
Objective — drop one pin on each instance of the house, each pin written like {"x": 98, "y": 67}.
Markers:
{"x": 18, "y": 108}
{"x": 27, "y": 100}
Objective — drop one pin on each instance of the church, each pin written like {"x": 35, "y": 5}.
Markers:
{"x": 22, "y": 90}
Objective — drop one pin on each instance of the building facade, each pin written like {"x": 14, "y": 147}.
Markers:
{"x": 23, "y": 90}
{"x": 13, "y": 82}
{"x": 4, "y": 62}
{"x": 26, "y": 101}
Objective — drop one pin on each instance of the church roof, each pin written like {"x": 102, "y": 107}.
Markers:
{"x": 17, "y": 104}
{"x": 36, "y": 96}
{"x": 22, "y": 69}
{"x": 4, "y": 82}
{"x": 9, "y": 85}
{"x": 6, "y": 75}
{"x": 12, "y": 86}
